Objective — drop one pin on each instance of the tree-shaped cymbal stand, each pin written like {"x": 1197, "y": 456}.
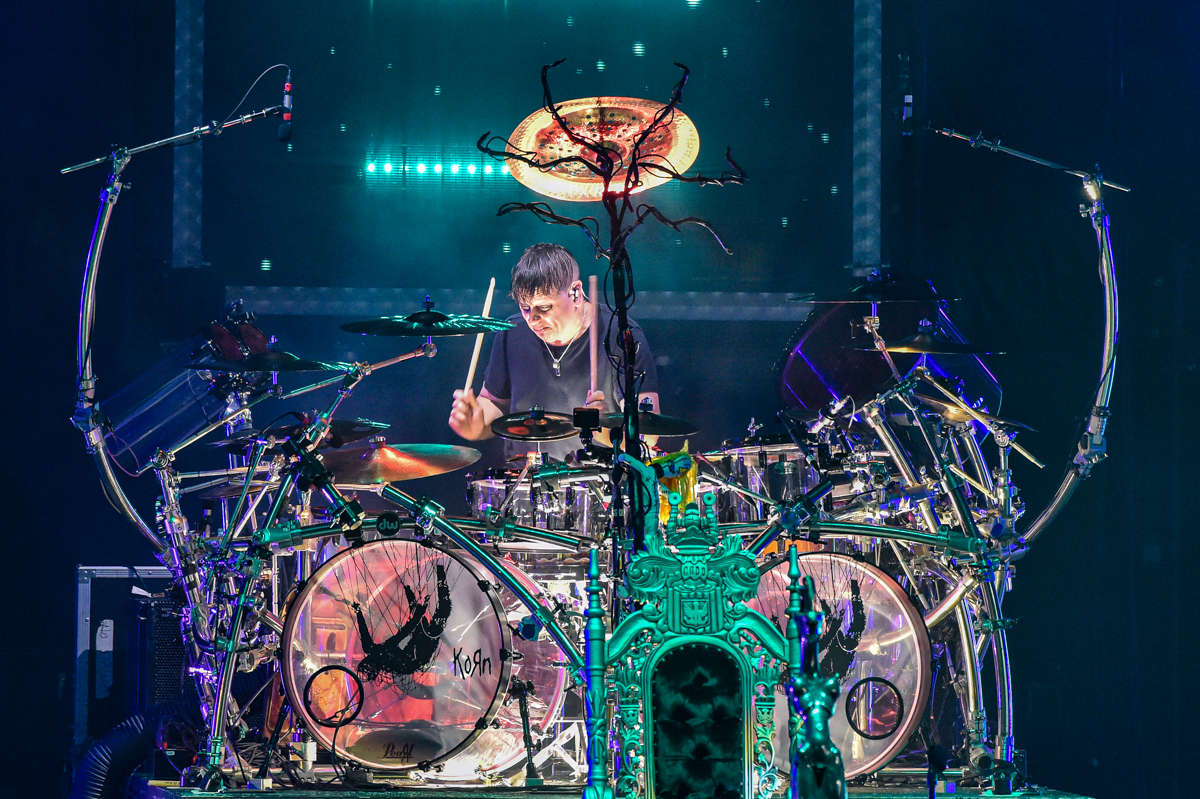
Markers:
{"x": 632, "y": 167}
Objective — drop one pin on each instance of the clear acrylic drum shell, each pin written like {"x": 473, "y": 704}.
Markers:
{"x": 430, "y": 707}
{"x": 758, "y": 464}
{"x": 498, "y": 749}
{"x": 569, "y": 505}
{"x": 893, "y": 638}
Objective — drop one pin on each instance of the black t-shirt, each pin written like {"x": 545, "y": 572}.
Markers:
{"x": 521, "y": 370}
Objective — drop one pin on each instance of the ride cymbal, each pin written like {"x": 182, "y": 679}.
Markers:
{"x": 615, "y": 123}
{"x": 653, "y": 424}
{"x": 925, "y": 344}
{"x": 377, "y": 462}
{"x": 878, "y": 291}
{"x": 535, "y": 425}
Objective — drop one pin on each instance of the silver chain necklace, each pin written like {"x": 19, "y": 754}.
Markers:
{"x": 558, "y": 360}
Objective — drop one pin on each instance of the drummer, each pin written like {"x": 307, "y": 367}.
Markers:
{"x": 546, "y": 360}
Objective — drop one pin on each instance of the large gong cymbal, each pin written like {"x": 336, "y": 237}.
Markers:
{"x": 535, "y": 425}
{"x": 653, "y": 424}
{"x": 377, "y": 462}
{"x": 616, "y": 123}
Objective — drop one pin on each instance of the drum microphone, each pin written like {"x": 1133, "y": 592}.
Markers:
{"x": 824, "y": 419}
{"x": 285, "y": 127}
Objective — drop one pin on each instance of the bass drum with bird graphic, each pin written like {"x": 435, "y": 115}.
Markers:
{"x": 874, "y": 639}
{"x": 396, "y": 654}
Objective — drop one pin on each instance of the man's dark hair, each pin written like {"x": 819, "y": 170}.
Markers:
{"x": 543, "y": 269}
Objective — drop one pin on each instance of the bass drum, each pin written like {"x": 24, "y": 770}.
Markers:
{"x": 875, "y": 639}
{"x": 501, "y": 746}
{"x": 395, "y": 655}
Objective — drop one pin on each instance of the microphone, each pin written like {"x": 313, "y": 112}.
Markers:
{"x": 824, "y": 419}
{"x": 285, "y": 127}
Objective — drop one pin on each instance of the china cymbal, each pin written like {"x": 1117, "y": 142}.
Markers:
{"x": 653, "y": 424}
{"x": 377, "y": 462}
{"x": 341, "y": 432}
{"x": 427, "y": 323}
{"x": 614, "y": 122}
{"x": 925, "y": 344}
{"x": 952, "y": 413}
{"x": 535, "y": 425}
{"x": 270, "y": 362}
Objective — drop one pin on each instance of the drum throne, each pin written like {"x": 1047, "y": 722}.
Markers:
{"x": 692, "y": 675}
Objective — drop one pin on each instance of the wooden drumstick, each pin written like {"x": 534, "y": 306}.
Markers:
{"x": 487, "y": 309}
{"x": 594, "y": 332}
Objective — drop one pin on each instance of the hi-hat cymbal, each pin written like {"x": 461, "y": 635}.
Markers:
{"x": 341, "y": 432}
{"x": 270, "y": 362}
{"x": 535, "y": 425}
{"x": 653, "y": 424}
{"x": 378, "y": 462}
{"x": 615, "y": 123}
{"x": 427, "y": 323}
{"x": 925, "y": 344}
{"x": 952, "y": 413}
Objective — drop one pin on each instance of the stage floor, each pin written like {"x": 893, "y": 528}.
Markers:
{"x": 140, "y": 789}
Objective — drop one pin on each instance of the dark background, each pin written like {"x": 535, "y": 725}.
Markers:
{"x": 1100, "y": 654}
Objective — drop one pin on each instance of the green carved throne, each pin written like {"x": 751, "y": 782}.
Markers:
{"x": 693, "y": 673}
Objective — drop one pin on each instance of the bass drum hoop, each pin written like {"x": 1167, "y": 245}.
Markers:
{"x": 318, "y": 731}
{"x": 913, "y": 715}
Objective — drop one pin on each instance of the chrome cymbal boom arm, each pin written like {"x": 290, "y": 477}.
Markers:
{"x": 1091, "y": 448}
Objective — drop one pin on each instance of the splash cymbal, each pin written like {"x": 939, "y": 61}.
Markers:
{"x": 615, "y": 123}
{"x": 535, "y": 425}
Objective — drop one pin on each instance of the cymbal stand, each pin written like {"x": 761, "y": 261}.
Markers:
{"x": 871, "y": 325}
{"x": 1092, "y": 447}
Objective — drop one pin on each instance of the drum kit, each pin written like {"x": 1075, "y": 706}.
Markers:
{"x": 410, "y": 641}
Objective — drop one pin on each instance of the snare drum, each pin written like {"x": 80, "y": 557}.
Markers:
{"x": 574, "y": 499}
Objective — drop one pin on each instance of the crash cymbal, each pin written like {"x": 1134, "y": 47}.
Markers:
{"x": 952, "y": 413}
{"x": 427, "y": 323}
{"x": 925, "y": 344}
{"x": 614, "y": 122}
{"x": 653, "y": 424}
{"x": 376, "y": 462}
{"x": 881, "y": 291}
{"x": 341, "y": 432}
{"x": 535, "y": 425}
{"x": 270, "y": 362}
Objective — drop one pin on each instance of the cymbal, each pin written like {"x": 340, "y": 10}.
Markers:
{"x": 880, "y": 291}
{"x": 535, "y": 425}
{"x": 925, "y": 344}
{"x": 427, "y": 323}
{"x": 377, "y": 462}
{"x": 341, "y": 432}
{"x": 952, "y": 413}
{"x": 230, "y": 490}
{"x": 615, "y": 123}
{"x": 274, "y": 361}
{"x": 653, "y": 424}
